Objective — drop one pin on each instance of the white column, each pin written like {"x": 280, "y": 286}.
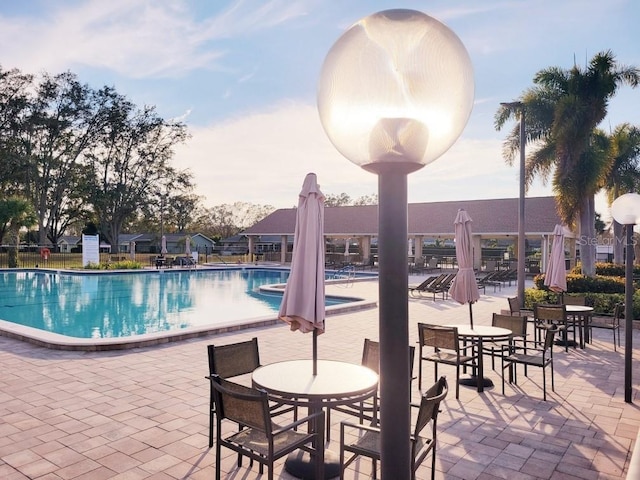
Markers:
{"x": 477, "y": 251}
{"x": 283, "y": 249}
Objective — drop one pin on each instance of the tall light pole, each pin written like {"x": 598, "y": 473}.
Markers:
{"x": 395, "y": 92}
{"x": 626, "y": 210}
{"x": 521, "y": 232}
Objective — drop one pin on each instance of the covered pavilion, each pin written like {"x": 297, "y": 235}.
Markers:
{"x": 492, "y": 219}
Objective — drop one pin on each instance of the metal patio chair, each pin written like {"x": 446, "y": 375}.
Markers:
{"x": 362, "y": 440}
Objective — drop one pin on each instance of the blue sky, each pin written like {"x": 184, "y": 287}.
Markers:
{"x": 243, "y": 74}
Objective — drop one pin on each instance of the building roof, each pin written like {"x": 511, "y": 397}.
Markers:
{"x": 495, "y": 217}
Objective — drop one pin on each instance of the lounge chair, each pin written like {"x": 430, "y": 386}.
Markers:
{"x": 442, "y": 286}
{"x": 414, "y": 290}
{"x": 432, "y": 287}
{"x": 491, "y": 279}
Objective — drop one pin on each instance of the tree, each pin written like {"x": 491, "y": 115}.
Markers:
{"x": 14, "y": 100}
{"x": 15, "y": 213}
{"x": 344, "y": 199}
{"x": 332, "y": 200}
{"x": 63, "y": 121}
{"x": 563, "y": 109}
{"x": 125, "y": 169}
{"x": 624, "y": 175}
{"x": 223, "y": 221}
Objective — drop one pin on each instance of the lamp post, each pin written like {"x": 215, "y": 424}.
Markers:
{"x": 521, "y": 233}
{"x": 626, "y": 210}
{"x": 395, "y": 92}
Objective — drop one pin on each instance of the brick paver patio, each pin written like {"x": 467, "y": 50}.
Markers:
{"x": 142, "y": 413}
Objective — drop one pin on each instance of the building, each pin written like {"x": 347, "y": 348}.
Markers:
{"x": 492, "y": 219}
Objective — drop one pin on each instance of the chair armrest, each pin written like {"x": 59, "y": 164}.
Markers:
{"x": 300, "y": 421}
{"x": 359, "y": 426}
{"x": 468, "y": 346}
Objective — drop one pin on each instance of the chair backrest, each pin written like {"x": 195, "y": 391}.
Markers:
{"x": 430, "y": 405}
{"x": 438, "y": 336}
{"x": 574, "y": 300}
{"x": 514, "y": 305}
{"x": 550, "y": 313}
{"x": 371, "y": 355}
{"x": 428, "y": 281}
{"x": 233, "y": 359}
{"x": 515, "y": 323}
{"x": 618, "y": 313}
{"x": 240, "y": 404}
{"x": 548, "y": 340}
{"x": 438, "y": 280}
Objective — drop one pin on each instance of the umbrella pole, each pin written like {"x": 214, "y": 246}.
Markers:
{"x": 315, "y": 352}
{"x": 471, "y": 315}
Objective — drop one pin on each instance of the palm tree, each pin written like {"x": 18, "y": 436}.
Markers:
{"x": 624, "y": 176}
{"x": 563, "y": 109}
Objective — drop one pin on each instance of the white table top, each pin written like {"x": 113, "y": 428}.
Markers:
{"x": 578, "y": 308}
{"x": 295, "y": 379}
{"x": 481, "y": 331}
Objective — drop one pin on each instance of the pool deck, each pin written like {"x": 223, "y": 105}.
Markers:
{"x": 142, "y": 413}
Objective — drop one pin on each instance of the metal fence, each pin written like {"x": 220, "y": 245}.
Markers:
{"x": 33, "y": 256}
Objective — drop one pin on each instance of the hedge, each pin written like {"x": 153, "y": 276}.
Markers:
{"x": 602, "y": 292}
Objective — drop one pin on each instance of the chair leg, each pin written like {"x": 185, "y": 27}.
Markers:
{"x": 457, "y": 382}
{"x": 218, "y": 459}
{"x": 433, "y": 462}
{"x": 211, "y": 422}
{"x": 544, "y": 383}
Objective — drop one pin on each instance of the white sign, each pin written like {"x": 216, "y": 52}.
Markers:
{"x": 90, "y": 249}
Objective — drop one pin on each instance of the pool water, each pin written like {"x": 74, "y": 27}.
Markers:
{"x": 111, "y": 305}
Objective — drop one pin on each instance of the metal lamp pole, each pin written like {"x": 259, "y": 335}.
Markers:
{"x": 628, "y": 312}
{"x": 391, "y": 115}
{"x": 521, "y": 231}
{"x": 626, "y": 210}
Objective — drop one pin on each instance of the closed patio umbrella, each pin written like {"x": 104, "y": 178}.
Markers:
{"x": 303, "y": 302}
{"x": 163, "y": 248}
{"x": 464, "y": 288}
{"x": 132, "y": 250}
{"x": 187, "y": 246}
{"x": 556, "y": 275}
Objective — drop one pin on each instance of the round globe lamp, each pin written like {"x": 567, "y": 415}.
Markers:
{"x": 626, "y": 211}
{"x": 395, "y": 92}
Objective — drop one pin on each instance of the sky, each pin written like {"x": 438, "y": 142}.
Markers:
{"x": 243, "y": 76}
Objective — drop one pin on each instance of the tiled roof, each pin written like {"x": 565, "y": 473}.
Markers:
{"x": 490, "y": 217}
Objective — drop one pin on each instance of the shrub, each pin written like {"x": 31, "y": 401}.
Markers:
{"x": 120, "y": 265}
{"x": 602, "y": 303}
{"x": 583, "y": 284}
{"x": 609, "y": 269}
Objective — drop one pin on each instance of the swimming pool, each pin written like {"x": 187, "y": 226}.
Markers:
{"x": 93, "y": 308}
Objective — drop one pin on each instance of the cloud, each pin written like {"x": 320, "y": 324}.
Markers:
{"x": 152, "y": 38}
{"x": 263, "y": 157}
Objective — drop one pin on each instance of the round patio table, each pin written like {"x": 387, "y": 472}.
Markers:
{"x": 337, "y": 383}
{"x": 480, "y": 333}
{"x": 581, "y": 314}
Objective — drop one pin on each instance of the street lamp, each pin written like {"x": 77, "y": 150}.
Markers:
{"x": 626, "y": 210}
{"x": 395, "y": 92}
{"x": 521, "y": 233}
